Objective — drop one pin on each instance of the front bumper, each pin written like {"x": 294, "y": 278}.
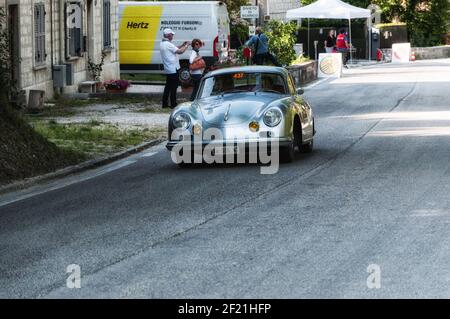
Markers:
{"x": 247, "y": 143}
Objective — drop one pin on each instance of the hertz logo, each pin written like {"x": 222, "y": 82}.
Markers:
{"x": 135, "y": 25}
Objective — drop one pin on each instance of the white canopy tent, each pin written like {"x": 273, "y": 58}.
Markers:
{"x": 331, "y": 9}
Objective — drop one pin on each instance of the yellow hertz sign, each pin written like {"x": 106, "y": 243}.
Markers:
{"x": 137, "y": 34}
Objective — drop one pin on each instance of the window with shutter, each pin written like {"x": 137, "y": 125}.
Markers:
{"x": 106, "y": 24}
{"x": 73, "y": 16}
{"x": 39, "y": 34}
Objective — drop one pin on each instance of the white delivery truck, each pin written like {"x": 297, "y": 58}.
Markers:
{"x": 141, "y": 26}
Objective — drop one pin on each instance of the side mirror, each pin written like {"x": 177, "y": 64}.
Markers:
{"x": 300, "y": 91}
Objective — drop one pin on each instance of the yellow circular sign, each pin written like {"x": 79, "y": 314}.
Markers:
{"x": 328, "y": 65}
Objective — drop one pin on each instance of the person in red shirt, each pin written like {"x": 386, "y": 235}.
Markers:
{"x": 342, "y": 46}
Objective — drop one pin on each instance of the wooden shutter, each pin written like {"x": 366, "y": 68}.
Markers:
{"x": 39, "y": 34}
{"x": 106, "y": 24}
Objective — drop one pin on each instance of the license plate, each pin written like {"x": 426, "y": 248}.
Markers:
{"x": 224, "y": 150}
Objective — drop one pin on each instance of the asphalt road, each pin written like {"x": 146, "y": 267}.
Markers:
{"x": 375, "y": 191}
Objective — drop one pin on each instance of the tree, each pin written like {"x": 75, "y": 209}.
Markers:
{"x": 427, "y": 21}
{"x": 238, "y": 26}
{"x": 5, "y": 69}
{"x": 281, "y": 40}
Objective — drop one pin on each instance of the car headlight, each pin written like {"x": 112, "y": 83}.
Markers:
{"x": 181, "y": 120}
{"x": 272, "y": 117}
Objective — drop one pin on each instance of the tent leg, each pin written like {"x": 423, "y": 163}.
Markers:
{"x": 308, "y": 37}
{"x": 370, "y": 38}
{"x": 350, "y": 34}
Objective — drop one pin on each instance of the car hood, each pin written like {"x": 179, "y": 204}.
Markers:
{"x": 234, "y": 108}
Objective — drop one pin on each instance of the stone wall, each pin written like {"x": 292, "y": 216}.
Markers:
{"x": 34, "y": 77}
{"x": 303, "y": 73}
{"x": 439, "y": 52}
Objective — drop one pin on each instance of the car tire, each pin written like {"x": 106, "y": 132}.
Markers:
{"x": 185, "y": 76}
{"x": 308, "y": 147}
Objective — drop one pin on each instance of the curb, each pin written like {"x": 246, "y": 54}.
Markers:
{"x": 15, "y": 186}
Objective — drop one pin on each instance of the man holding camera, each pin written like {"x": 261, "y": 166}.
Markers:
{"x": 169, "y": 56}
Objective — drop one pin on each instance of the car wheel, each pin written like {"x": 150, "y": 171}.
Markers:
{"x": 308, "y": 147}
{"x": 297, "y": 133}
{"x": 185, "y": 76}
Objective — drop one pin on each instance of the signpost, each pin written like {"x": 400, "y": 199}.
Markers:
{"x": 249, "y": 12}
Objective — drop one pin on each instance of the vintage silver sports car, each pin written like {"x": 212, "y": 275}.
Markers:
{"x": 250, "y": 104}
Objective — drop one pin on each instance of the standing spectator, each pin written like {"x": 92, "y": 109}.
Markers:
{"x": 169, "y": 56}
{"x": 330, "y": 42}
{"x": 261, "y": 45}
{"x": 196, "y": 74}
{"x": 342, "y": 46}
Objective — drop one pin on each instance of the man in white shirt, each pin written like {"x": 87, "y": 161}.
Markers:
{"x": 169, "y": 57}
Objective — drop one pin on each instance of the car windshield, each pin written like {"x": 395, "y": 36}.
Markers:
{"x": 242, "y": 82}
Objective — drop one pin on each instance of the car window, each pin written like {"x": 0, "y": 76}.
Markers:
{"x": 242, "y": 82}
{"x": 291, "y": 85}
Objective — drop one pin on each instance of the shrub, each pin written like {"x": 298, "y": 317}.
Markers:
{"x": 282, "y": 39}
{"x": 96, "y": 68}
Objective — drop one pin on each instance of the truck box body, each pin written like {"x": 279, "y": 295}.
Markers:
{"x": 142, "y": 25}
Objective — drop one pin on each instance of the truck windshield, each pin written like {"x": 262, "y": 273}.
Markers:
{"x": 242, "y": 82}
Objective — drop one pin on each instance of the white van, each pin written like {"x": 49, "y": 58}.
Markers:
{"x": 141, "y": 25}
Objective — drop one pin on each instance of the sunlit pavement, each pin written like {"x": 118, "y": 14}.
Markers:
{"x": 370, "y": 207}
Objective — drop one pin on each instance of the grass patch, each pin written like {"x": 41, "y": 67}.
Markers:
{"x": 53, "y": 111}
{"x": 95, "y": 138}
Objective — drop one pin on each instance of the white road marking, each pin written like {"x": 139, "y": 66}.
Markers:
{"x": 58, "y": 184}
{"x": 149, "y": 154}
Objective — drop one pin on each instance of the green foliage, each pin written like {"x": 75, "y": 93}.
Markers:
{"x": 235, "y": 5}
{"x": 391, "y": 24}
{"x": 281, "y": 40}
{"x": 8, "y": 89}
{"x": 427, "y": 22}
{"x": 93, "y": 138}
{"x": 300, "y": 60}
{"x": 96, "y": 68}
{"x": 238, "y": 26}
{"x": 5, "y": 67}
